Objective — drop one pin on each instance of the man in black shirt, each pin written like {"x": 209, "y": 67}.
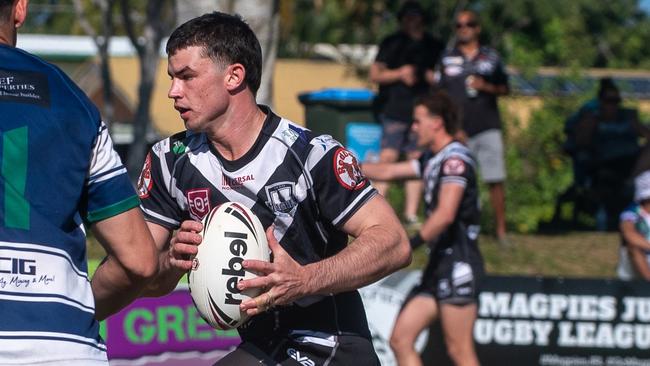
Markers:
{"x": 403, "y": 66}
{"x": 474, "y": 77}
{"x": 307, "y": 191}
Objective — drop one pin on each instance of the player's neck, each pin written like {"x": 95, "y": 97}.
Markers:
{"x": 440, "y": 142}
{"x": 238, "y": 130}
{"x": 7, "y": 35}
{"x": 469, "y": 49}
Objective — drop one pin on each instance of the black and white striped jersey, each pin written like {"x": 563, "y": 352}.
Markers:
{"x": 307, "y": 186}
{"x": 453, "y": 164}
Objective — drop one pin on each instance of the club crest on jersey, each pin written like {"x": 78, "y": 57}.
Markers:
{"x": 453, "y": 166}
{"x": 144, "y": 181}
{"x": 281, "y": 198}
{"x": 347, "y": 170}
{"x": 198, "y": 201}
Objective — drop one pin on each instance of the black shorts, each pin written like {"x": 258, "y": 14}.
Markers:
{"x": 303, "y": 349}
{"x": 450, "y": 279}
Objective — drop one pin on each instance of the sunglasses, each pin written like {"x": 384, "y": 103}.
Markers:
{"x": 466, "y": 25}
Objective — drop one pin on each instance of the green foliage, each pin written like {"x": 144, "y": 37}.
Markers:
{"x": 538, "y": 169}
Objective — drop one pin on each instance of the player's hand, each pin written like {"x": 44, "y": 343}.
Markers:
{"x": 184, "y": 245}
{"x": 283, "y": 281}
{"x": 407, "y": 75}
{"x": 478, "y": 82}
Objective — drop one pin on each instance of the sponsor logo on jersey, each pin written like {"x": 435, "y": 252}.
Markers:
{"x": 24, "y": 87}
{"x": 303, "y": 360}
{"x": 453, "y": 166}
{"x": 235, "y": 182}
{"x": 281, "y": 198}
{"x": 290, "y": 135}
{"x": 178, "y": 148}
{"x": 18, "y": 266}
{"x": 199, "y": 202}
{"x": 346, "y": 168}
{"x": 145, "y": 183}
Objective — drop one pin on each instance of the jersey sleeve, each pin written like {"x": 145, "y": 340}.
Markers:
{"x": 455, "y": 170}
{"x": 630, "y": 215}
{"x": 500, "y": 76}
{"x": 384, "y": 52}
{"x": 340, "y": 186}
{"x": 155, "y": 189}
{"x": 108, "y": 189}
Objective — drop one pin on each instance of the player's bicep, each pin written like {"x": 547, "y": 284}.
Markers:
{"x": 375, "y": 212}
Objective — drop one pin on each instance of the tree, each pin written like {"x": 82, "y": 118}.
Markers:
{"x": 146, "y": 29}
{"x": 102, "y": 39}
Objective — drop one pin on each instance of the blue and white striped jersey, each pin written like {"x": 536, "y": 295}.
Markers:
{"x": 58, "y": 169}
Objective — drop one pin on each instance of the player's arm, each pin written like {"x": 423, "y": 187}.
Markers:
{"x": 390, "y": 171}
{"x": 640, "y": 262}
{"x": 632, "y": 237}
{"x": 173, "y": 255}
{"x": 130, "y": 263}
{"x": 380, "y": 248}
{"x": 449, "y": 199}
{"x": 380, "y": 73}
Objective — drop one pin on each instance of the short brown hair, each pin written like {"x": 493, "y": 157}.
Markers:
{"x": 5, "y": 9}
{"x": 439, "y": 104}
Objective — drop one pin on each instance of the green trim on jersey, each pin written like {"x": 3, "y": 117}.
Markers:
{"x": 114, "y": 209}
{"x": 14, "y": 172}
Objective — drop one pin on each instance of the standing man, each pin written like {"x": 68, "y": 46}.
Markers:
{"x": 474, "y": 77}
{"x": 404, "y": 63}
{"x": 306, "y": 190}
{"x": 449, "y": 287}
{"x": 58, "y": 172}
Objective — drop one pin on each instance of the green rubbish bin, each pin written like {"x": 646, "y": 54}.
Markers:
{"x": 346, "y": 115}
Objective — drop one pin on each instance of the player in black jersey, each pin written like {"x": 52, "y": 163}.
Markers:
{"x": 449, "y": 285}
{"x": 307, "y": 191}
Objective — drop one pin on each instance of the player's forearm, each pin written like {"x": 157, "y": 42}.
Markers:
{"x": 383, "y": 75}
{"x": 114, "y": 287}
{"x": 640, "y": 263}
{"x": 633, "y": 238}
{"x": 374, "y": 254}
{"x": 166, "y": 280}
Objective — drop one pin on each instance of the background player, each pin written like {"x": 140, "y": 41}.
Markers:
{"x": 307, "y": 190}
{"x": 449, "y": 286}
{"x": 59, "y": 170}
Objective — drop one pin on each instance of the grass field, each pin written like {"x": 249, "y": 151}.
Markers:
{"x": 578, "y": 254}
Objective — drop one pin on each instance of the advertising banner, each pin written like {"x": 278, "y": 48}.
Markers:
{"x": 168, "y": 328}
{"x": 521, "y": 321}
{"x": 558, "y": 322}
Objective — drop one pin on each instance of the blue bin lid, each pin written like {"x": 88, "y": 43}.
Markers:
{"x": 337, "y": 94}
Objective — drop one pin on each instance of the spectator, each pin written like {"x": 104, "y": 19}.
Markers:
{"x": 607, "y": 149}
{"x": 449, "y": 285}
{"x": 59, "y": 173}
{"x": 474, "y": 77}
{"x": 403, "y": 62}
{"x": 634, "y": 259}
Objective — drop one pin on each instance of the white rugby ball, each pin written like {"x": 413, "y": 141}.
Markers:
{"x": 231, "y": 233}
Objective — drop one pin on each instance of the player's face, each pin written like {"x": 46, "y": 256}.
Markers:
{"x": 198, "y": 88}
{"x": 425, "y": 125}
{"x": 467, "y": 28}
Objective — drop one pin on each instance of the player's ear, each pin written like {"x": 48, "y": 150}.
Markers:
{"x": 235, "y": 76}
{"x": 20, "y": 13}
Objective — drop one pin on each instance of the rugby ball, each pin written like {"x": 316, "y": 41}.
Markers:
{"x": 231, "y": 233}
